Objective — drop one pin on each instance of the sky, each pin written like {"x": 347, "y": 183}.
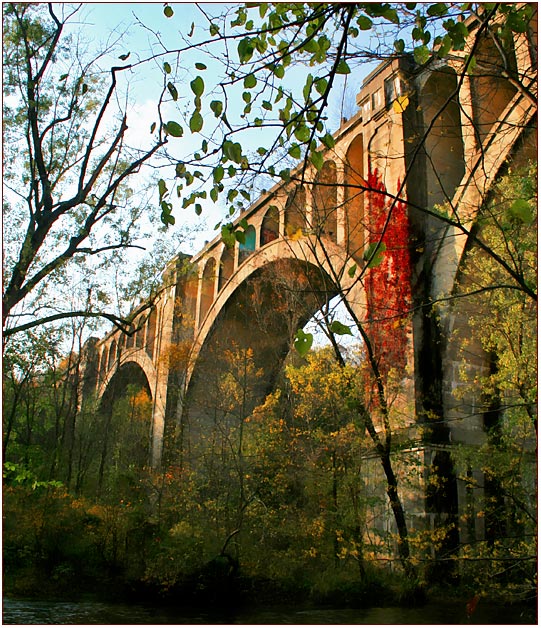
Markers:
{"x": 141, "y": 25}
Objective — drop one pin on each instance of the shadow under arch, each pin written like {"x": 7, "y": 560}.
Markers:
{"x": 125, "y": 410}
{"x": 249, "y": 339}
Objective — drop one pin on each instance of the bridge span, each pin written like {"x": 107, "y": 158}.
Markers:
{"x": 436, "y": 136}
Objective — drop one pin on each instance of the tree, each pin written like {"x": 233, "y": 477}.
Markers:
{"x": 67, "y": 169}
{"x": 495, "y": 341}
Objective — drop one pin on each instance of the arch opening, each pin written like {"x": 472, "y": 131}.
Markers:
{"x": 227, "y": 266}
{"x": 354, "y": 214}
{"x": 121, "y": 431}
{"x": 207, "y": 288}
{"x": 295, "y": 211}
{"x": 324, "y": 201}
{"x": 247, "y": 247}
{"x": 248, "y": 330}
{"x": 270, "y": 228}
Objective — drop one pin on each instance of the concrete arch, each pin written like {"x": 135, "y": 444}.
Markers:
{"x": 141, "y": 359}
{"x": 295, "y": 279}
{"x": 328, "y": 257}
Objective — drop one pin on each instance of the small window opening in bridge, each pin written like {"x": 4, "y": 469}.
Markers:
{"x": 270, "y": 228}
{"x": 365, "y": 108}
{"x": 103, "y": 364}
{"x": 393, "y": 89}
{"x": 377, "y": 100}
{"x": 246, "y": 249}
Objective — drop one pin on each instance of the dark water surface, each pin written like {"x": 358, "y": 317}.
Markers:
{"x": 24, "y": 612}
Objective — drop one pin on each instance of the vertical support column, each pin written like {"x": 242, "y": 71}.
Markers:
{"x": 340, "y": 203}
{"x": 163, "y": 342}
{"x": 200, "y": 271}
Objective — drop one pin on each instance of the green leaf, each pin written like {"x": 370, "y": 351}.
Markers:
{"x": 218, "y": 174}
{"x": 166, "y": 67}
{"x": 374, "y": 253}
{"x": 168, "y": 11}
{"x": 295, "y": 151}
{"x": 173, "y": 128}
{"x": 198, "y": 86}
{"x": 303, "y": 342}
{"x": 328, "y": 140}
{"x": 445, "y": 46}
{"x": 152, "y": 127}
{"x": 245, "y": 49}
{"x": 339, "y": 328}
{"x": 321, "y": 86}
{"x": 198, "y": 209}
{"x": 196, "y": 122}
{"x": 391, "y": 15}
{"x": 399, "y": 46}
{"x": 125, "y": 56}
{"x": 352, "y": 270}
{"x": 214, "y": 30}
{"x": 437, "y": 10}
{"x": 162, "y": 188}
{"x": 308, "y": 87}
{"x": 364, "y": 23}
{"x": 233, "y": 151}
{"x": 200, "y": 66}
{"x": 217, "y": 107}
{"x": 279, "y": 71}
{"x": 250, "y": 81}
{"x": 302, "y": 133}
{"x": 343, "y": 68}
{"x": 317, "y": 160}
{"x": 285, "y": 175}
{"x": 421, "y": 54}
{"x": 173, "y": 91}
{"x": 227, "y": 235}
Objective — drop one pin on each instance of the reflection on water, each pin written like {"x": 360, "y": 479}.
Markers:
{"x": 17, "y": 612}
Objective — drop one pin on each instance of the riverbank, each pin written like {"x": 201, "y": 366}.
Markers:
{"x": 247, "y": 601}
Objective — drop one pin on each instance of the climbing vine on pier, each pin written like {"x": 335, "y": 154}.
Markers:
{"x": 388, "y": 279}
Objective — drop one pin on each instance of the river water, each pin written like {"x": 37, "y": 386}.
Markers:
{"x": 28, "y": 612}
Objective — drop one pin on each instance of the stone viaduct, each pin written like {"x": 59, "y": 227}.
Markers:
{"x": 443, "y": 136}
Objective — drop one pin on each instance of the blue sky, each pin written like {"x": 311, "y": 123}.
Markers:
{"x": 141, "y": 26}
